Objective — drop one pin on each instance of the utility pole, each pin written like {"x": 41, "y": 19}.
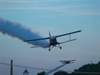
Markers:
{"x": 11, "y": 67}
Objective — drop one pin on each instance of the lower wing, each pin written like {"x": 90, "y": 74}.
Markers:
{"x": 67, "y": 41}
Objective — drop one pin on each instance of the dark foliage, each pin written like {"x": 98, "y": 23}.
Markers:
{"x": 61, "y": 73}
{"x": 42, "y": 73}
{"x": 88, "y": 69}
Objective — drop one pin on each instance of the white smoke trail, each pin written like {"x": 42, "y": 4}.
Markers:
{"x": 20, "y": 32}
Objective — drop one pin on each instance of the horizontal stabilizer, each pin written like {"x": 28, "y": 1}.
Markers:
{"x": 34, "y": 46}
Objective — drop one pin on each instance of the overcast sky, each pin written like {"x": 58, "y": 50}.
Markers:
{"x": 58, "y": 17}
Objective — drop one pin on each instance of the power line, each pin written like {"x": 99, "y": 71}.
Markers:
{"x": 23, "y": 66}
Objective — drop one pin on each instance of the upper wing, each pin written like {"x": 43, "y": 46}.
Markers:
{"x": 55, "y": 36}
{"x": 68, "y": 33}
{"x": 37, "y": 39}
{"x": 67, "y": 61}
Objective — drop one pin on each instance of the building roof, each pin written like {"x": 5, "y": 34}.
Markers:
{"x": 25, "y": 71}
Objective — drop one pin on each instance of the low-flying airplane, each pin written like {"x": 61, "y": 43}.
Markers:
{"x": 67, "y": 61}
{"x": 53, "y": 40}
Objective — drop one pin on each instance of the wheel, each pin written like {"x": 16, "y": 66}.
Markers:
{"x": 60, "y": 47}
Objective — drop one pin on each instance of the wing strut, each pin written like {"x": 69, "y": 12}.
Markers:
{"x": 70, "y": 37}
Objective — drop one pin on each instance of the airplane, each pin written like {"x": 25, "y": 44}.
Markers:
{"x": 67, "y": 61}
{"x": 53, "y": 40}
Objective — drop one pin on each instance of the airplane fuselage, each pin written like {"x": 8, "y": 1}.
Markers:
{"x": 53, "y": 41}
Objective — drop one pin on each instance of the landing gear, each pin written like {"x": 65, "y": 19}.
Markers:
{"x": 56, "y": 46}
{"x": 49, "y": 49}
{"x": 60, "y": 47}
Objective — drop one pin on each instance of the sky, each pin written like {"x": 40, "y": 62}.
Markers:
{"x": 58, "y": 17}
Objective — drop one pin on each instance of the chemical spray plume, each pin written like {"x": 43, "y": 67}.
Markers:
{"x": 20, "y": 32}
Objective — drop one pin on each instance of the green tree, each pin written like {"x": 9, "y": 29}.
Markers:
{"x": 42, "y": 73}
{"x": 87, "y": 68}
{"x": 61, "y": 73}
